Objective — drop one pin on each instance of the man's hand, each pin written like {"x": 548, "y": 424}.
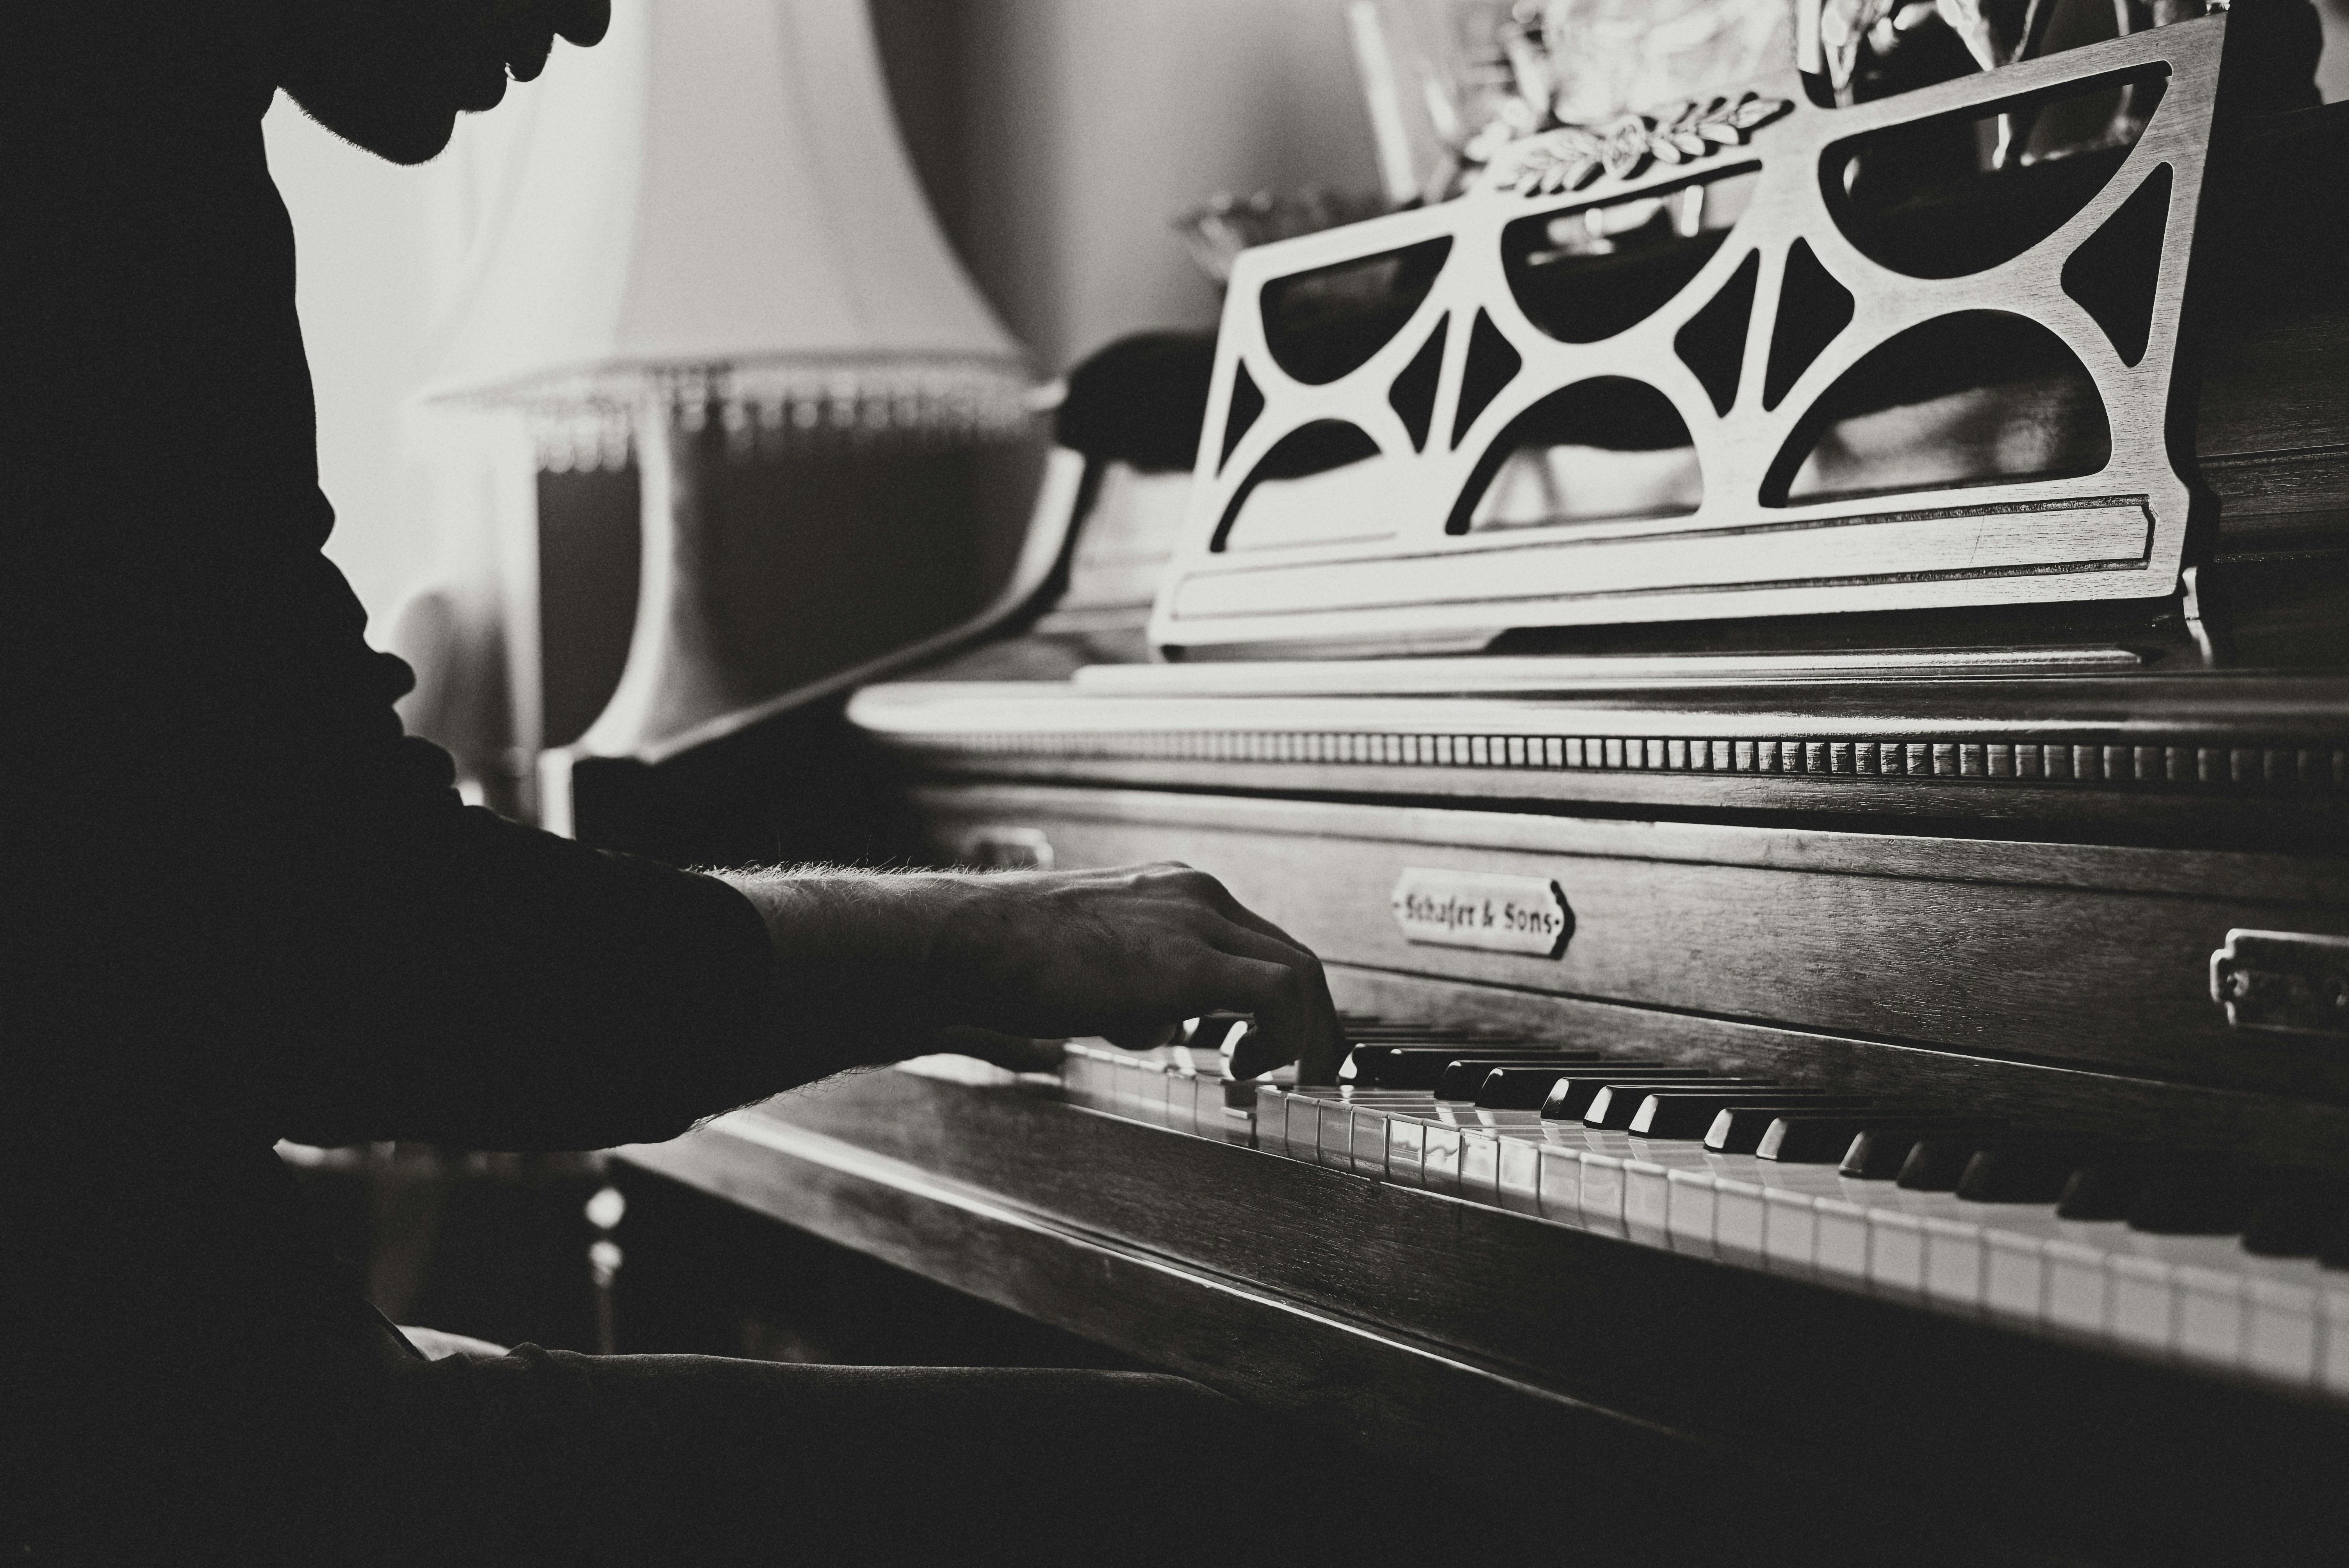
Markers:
{"x": 981, "y": 962}
{"x": 1127, "y": 954}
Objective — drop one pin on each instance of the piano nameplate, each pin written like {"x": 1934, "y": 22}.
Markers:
{"x": 1481, "y": 909}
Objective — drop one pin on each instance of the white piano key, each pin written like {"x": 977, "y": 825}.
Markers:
{"x": 1156, "y": 1100}
{"x": 2281, "y": 1300}
{"x": 1271, "y": 1118}
{"x": 1306, "y": 1109}
{"x": 2210, "y": 1315}
{"x": 1077, "y": 1077}
{"x": 2333, "y": 1327}
{"x": 1840, "y": 1247}
{"x": 1648, "y": 1166}
{"x": 1333, "y": 1143}
{"x": 1790, "y": 1230}
{"x": 1737, "y": 1218}
{"x": 1239, "y": 1120}
{"x": 1216, "y": 1112}
{"x": 2014, "y": 1274}
{"x": 1923, "y": 1245}
{"x": 2079, "y": 1288}
{"x": 1954, "y": 1262}
{"x": 1519, "y": 1176}
{"x": 1480, "y": 1159}
{"x": 2144, "y": 1311}
{"x": 1690, "y": 1202}
{"x": 1299, "y": 1124}
{"x": 2019, "y": 1273}
{"x": 1647, "y": 1195}
{"x": 1369, "y": 1115}
{"x": 1144, "y": 1085}
{"x": 1895, "y": 1252}
{"x": 2209, "y": 1279}
{"x": 1174, "y": 1093}
{"x": 1790, "y": 1227}
{"x": 1406, "y": 1150}
{"x": 1560, "y": 1189}
{"x": 1602, "y": 1192}
{"x": 1201, "y": 1104}
{"x": 1366, "y": 1138}
{"x": 1440, "y": 1158}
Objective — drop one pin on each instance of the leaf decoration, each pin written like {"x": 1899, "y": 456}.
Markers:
{"x": 1571, "y": 156}
{"x": 1561, "y": 159}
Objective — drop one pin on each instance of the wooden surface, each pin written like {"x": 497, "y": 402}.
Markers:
{"x": 1475, "y": 1339}
{"x": 2214, "y": 758}
{"x": 2088, "y": 955}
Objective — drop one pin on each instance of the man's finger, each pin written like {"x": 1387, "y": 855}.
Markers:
{"x": 1014, "y": 1052}
{"x": 1319, "y": 1048}
{"x": 1148, "y": 1038}
{"x": 1294, "y": 1019}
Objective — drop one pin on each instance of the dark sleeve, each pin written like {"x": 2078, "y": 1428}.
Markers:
{"x": 439, "y": 974}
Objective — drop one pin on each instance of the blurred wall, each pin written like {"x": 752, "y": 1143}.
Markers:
{"x": 365, "y": 291}
{"x": 1085, "y": 127}
{"x": 1056, "y": 136}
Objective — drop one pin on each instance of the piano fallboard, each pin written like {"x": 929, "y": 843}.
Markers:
{"x": 2071, "y": 978}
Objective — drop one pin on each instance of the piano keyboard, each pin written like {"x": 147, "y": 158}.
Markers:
{"x": 2225, "y": 1268}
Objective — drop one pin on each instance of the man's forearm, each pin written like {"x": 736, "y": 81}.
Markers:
{"x": 873, "y": 967}
{"x": 851, "y": 955}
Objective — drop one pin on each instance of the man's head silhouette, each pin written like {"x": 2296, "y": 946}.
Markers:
{"x": 393, "y": 75}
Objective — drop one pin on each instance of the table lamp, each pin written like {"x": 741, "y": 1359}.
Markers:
{"x": 713, "y": 245}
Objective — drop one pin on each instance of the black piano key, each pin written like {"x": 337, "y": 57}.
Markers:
{"x": 1246, "y": 1056}
{"x": 1687, "y": 1110}
{"x": 1615, "y": 1107}
{"x": 1885, "y": 1151}
{"x": 1878, "y": 1153}
{"x": 1427, "y": 1033}
{"x": 2192, "y": 1200}
{"x": 1370, "y": 1064}
{"x": 1521, "y": 1087}
{"x": 1209, "y": 1030}
{"x": 2021, "y": 1173}
{"x": 1937, "y": 1161}
{"x": 1677, "y": 1114}
{"x": 2334, "y": 1252}
{"x": 1465, "y": 1075}
{"x": 2294, "y": 1217}
{"x": 2102, "y": 1188}
{"x": 1572, "y": 1097}
{"x": 1421, "y": 1067}
{"x": 1739, "y": 1129}
{"x": 1801, "y": 1138}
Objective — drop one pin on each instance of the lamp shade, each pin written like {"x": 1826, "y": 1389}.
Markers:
{"x": 718, "y": 188}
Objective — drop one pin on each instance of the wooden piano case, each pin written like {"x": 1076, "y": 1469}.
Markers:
{"x": 2014, "y": 853}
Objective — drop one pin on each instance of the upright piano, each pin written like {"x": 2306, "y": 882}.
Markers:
{"x": 1832, "y": 856}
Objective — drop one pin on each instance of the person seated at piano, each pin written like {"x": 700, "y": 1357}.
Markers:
{"x": 243, "y": 906}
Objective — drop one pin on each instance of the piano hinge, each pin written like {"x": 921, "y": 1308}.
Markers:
{"x": 2286, "y": 981}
